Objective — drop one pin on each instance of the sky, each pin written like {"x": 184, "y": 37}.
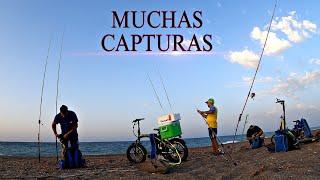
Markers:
{"x": 108, "y": 90}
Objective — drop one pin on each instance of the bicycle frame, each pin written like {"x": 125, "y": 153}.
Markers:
{"x": 159, "y": 142}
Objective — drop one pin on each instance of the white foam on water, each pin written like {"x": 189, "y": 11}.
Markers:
{"x": 230, "y": 142}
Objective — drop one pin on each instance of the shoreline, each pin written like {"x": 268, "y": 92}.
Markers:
{"x": 252, "y": 164}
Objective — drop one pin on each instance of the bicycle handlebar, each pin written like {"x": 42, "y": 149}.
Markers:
{"x": 144, "y": 135}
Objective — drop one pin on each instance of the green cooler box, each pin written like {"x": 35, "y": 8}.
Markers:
{"x": 170, "y": 130}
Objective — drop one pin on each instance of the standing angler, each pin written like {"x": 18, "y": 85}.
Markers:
{"x": 69, "y": 123}
{"x": 211, "y": 116}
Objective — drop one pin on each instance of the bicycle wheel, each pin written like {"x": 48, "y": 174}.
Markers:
{"x": 170, "y": 153}
{"x": 136, "y": 153}
{"x": 181, "y": 147}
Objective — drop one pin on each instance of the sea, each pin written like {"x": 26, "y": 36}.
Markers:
{"x": 48, "y": 149}
{"x": 30, "y": 149}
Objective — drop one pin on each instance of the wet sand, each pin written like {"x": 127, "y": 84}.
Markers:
{"x": 201, "y": 164}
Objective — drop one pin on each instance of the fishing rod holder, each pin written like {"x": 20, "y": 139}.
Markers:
{"x": 280, "y": 101}
{"x": 283, "y": 117}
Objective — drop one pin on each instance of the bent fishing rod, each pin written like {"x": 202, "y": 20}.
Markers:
{"x": 41, "y": 97}
{"x": 256, "y": 72}
{"x": 57, "y": 87}
{"x": 222, "y": 145}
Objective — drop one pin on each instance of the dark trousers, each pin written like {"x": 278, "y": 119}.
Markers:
{"x": 213, "y": 137}
{"x": 74, "y": 144}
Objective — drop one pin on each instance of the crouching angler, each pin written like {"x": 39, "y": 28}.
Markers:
{"x": 255, "y": 136}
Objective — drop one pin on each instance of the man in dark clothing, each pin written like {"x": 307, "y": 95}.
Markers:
{"x": 69, "y": 123}
{"x": 255, "y": 136}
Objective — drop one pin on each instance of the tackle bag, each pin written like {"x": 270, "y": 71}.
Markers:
{"x": 284, "y": 140}
{"x": 72, "y": 159}
{"x": 257, "y": 143}
{"x": 280, "y": 142}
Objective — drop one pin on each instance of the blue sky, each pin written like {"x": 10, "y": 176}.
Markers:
{"x": 108, "y": 91}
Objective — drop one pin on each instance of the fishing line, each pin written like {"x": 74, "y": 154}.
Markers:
{"x": 41, "y": 97}
{"x": 222, "y": 145}
{"x": 245, "y": 123}
{"x": 165, "y": 90}
{"x": 256, "y": 72}
{"x": 57, "y": 87}
{"x": 155, "y": 92}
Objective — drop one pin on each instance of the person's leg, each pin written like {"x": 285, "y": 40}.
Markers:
{"x": 74, "y": 143}
{"x": 261, "y": 141}
{"x": 214, "y": 143}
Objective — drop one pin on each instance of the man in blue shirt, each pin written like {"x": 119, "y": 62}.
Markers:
{"x": 69, "y": 123}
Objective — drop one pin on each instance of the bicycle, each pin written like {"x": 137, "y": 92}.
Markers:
{"x": 173, "y": 150}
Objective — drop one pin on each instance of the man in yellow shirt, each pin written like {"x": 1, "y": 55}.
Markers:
{"x": 211, "y": 117}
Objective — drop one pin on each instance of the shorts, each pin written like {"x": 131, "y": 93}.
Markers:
{"x": 212, "y": 132}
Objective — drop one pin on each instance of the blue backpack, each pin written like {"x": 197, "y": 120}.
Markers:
{"x": 73, "y": 159}
{"x": 257, "y": 143}
{"x": 281, "y": 142}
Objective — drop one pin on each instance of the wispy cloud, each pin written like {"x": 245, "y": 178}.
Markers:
{"x": 315, "y": 61}
{"x": 295, "y": 30}
{"x": 246, "y": 81}
{"x": 285, "y": 31}
{"x": 294, "y": 83}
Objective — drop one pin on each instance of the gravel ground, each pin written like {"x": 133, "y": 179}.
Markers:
{"x": 201, "y": 164}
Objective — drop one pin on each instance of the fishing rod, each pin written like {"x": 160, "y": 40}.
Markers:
{"x": 57, "y": 87}
{"x": 220, "y": 142}
{"x": 256, "y": 72}
{"x": 165, "y": 90}
{"x": 41, "y": 97}
{"x": 245, "y": 123}
{"x": 155, "y": 92}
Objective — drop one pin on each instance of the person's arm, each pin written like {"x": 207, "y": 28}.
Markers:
{"x": 260, "y": 133}
{"x": 211, "y": 111}
{"x": 54, "y": 128}
{"x": 250, "y": 138}
{"x": 74, "y": 125}
{"x": 202, "y": 113}
{"x": 73, "y": 128}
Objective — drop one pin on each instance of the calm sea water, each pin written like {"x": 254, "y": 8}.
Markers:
{"x": 91, "y": 148}
{"x": 30, "y": 149}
